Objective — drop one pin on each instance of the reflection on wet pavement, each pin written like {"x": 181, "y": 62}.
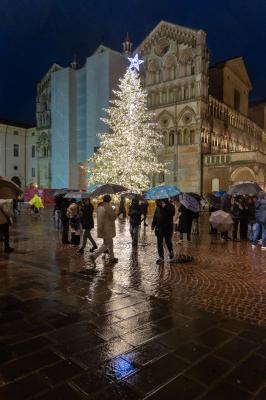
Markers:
{"x": 133, "y": 330}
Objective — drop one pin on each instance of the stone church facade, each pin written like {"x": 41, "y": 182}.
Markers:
{"x": 213, "y": 137}
{"x": 203, "y": 113}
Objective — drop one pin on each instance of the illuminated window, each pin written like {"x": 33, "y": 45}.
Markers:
{"x": 215, "y": 185}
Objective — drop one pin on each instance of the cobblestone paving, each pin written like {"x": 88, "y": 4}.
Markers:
{"x": 134, "y": 330}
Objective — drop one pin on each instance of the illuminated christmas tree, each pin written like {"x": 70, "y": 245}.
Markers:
{"x": 128, "y": 154}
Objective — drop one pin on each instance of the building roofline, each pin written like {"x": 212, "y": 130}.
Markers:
{"x": 17, "y": 124}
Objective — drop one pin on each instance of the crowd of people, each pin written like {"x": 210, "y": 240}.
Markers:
{"x": 248, "y": 214}
{"x": 249, "y": 218}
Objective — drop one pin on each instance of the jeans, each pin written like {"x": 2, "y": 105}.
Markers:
{"x": 260, "y": 227}
{"x": 87, "y": 235}
{"x": 108, "y": 244}
{"x": 134, "y": 232}
{"x": 168, "y": 242}
{"x": 251, "y": 231}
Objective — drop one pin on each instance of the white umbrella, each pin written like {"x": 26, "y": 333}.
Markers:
{"x": 221, "y": 221}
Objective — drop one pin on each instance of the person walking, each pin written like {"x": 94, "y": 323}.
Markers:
{"x": 65, "y": 221}
{"x": 144, "y": 211}
{"x": 134, "y": 214}
{"x": 74, "y": 222}
{"x": 5, "y": 218}
{"x": 185, "y": 223}
{"x": 251, "y": 217}
{"x": 106, "y": 217}
{"x": 260, "y": 214}
{"x": 163, "y": 225}
{"x": 36, "y": 205}
{"x": 226, "y": 207}
{"x": 87, "y": 224}
{"x": 235, "y": 213}
{"x": 243, "y": 229}
{"x": 122, "y": 208}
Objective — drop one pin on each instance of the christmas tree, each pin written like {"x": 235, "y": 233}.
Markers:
{"x": 128, "y": 154}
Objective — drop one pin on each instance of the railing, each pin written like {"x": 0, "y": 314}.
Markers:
{"x": 247, "y": 156}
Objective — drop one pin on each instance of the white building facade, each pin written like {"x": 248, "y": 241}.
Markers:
{"x": 18, "y": 153}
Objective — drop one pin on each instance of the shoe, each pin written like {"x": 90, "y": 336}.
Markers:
{"x": 260, "y": 242}
{"x": 80, "y": 251}
{"x": 93, "y": 249}
{"x": 253, "y": 246}
{"x": 263, "y": 247}
{"x": 113, "y": 260}
{"x": 160, "y": 260}
{"x": 9, "y": 250}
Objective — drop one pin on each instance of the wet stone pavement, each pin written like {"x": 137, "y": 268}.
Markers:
{"x": 134, "y": 330}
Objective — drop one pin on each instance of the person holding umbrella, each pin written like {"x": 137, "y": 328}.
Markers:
{"x": 134, "y": 214}
{"x": 106, "y": 217}
{"x": 260, "y": 213}
{"x": 163, "y": 225}
{"x": 87, "y": 224}
{"x": 5, "y": 217}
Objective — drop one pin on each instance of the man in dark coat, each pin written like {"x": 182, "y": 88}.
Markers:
{"x": 164, "y": 226}
{"x": 65, "y": 221}
{"x": 134, "y": 214}
{"x": 87, "y": 224}
{"x": 144, "y": 211}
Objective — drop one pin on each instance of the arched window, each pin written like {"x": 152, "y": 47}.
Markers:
{"x": 215, "y": 185}
{"x": 180, "y": 137}
{"x": 186, "y": 93}
{"x": 171, "y": 139}
{"x": 187, "y": 136}
{"x": 192, "y": 136}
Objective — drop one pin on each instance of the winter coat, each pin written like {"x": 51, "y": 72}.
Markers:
{"x": 235, "y": 210}
{"x": 86, "y": 219}
{"x": 73, "y": 215}
{"x": 251, "y": 213}
{"x": 4, "y": 219}
{"x": 36, "y": 201}
{"x": 135, "y": 215}
{"x": 163, "y": 220}
{"x": 106, "y": 217}
{"x": 260, "y": 211}
{"x": 144, "y": 208}
{"x": 185, "y": 219}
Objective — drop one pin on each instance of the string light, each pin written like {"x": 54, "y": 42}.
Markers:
{"x": 128, "y": 154}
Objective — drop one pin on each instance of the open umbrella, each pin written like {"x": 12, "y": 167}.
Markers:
{"x": 244, "y": 189}
{"x": 189, "y": 202}
{"x": 161, "y": 192}
{"x": 8, "y": 189}
{"x": 214, "y": 201}
{"x": 108, "y": 188}
{"x": 77, "y": 195}
{"x": 221, "y": 221}
{"x": 195, "y": 195}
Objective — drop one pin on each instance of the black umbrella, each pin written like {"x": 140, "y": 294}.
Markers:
{"x": 214, "y": 201}
{"x": 108, "y": 188}
{"x": 195, "y": 195}
{"x": 244, "y": 189}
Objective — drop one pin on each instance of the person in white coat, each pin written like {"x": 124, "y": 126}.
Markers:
{"x": 106, "y": 217}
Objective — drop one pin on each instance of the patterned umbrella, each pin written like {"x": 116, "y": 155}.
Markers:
{"x": 161, "y": 192}
{"x": 221, "y": 221}
{"x": 108, "y": 188}
{"x": 244, "y": 189}
{"x": 189, "y": 202}
{"x": 8, "y": 189}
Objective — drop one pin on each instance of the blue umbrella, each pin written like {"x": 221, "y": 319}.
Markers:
{"x": 162, "y": 192}
{"x": 219, "y": 194}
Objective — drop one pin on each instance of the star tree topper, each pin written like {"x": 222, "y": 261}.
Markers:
{"x": 135, "y": 62}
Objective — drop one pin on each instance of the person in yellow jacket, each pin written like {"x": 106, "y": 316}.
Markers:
{"x": 36, "y": 204}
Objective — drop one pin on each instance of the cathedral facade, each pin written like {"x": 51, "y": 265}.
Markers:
{"x": 203, "y": 113}
{"x": 212, "y": 136}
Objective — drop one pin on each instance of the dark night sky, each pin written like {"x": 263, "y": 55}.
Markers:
{"x": 36, "y": 33}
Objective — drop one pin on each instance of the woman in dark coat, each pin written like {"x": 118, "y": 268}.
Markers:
{"x": 87, "y": 223}
{"x": 164, "y": 226}
{"x": 185, "y": 222}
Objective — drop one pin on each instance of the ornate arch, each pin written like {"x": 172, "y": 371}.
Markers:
{"x": 190, "y": 112}
{"x": 165, "y": 119}
{"x": 243, "y": 174}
